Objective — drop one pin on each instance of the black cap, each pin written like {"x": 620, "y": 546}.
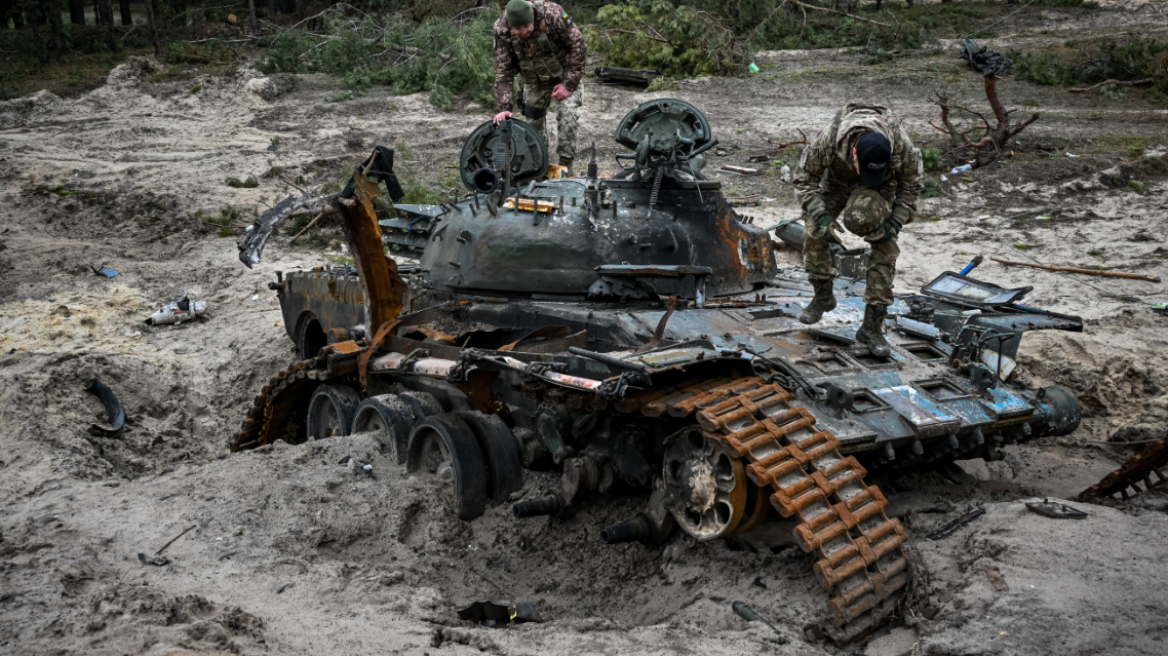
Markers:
{"x": 874, "y": 152}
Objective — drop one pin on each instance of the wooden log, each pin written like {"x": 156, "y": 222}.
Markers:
{"x": 1089, "y": 272}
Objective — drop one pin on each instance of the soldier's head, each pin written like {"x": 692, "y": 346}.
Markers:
{"x": 872, "y": 154}
{"x": 520, "y": 18}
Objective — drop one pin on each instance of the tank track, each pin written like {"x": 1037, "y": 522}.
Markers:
{"x": 861, "y": 563}
{"x": 1138, "y": 469}
{"x": 273, "y": 408}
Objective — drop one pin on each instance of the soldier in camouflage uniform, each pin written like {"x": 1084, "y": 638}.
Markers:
{"x": 538, "y": 41}
{"x": 864, "y": 170}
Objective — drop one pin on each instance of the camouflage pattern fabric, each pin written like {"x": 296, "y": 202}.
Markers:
{"x": 826, "y": 178}
{"x": 826, "y": 167}
{"x": 881, "y": 260}
{"x": 865, "y": 211}
{"x": 527, "y": 59}
{"x": 567, "y": 117}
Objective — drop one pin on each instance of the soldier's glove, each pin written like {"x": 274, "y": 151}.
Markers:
{"x": 886, "y": 231}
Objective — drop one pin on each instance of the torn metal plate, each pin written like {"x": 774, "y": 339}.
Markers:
{"x": 968, "y": 291}
{"x": 1055, "y": 510}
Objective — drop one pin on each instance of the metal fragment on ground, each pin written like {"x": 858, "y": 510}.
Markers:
{"x": 183, "y": 309}
{"x": 951, "y": 528}
{"x": 1055, "y": 510}
{"x": 113, "y": 408}
{"x": 494, "y": 614}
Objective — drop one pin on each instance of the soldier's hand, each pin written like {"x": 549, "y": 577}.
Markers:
{"x": 560, "y": 92}
{"x": 502, "y": 116}
{"x": 822, "y": 229}
{"x": 887, "y": 231}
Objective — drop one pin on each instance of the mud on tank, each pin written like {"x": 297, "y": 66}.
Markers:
{"x": 635, "y": 333}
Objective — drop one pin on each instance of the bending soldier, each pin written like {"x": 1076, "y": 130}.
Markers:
{"x": 864, "y": 170}
{"x": 538, "y": 41}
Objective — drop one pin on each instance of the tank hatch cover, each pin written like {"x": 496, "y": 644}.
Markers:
{"x": 485, "y": 146}
{"x": 661, "y": 120}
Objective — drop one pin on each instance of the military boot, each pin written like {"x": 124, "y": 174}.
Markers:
{"x": 872, "y": 331}
{"x": 824, "y": 301}
{"x": 566, "y": 162}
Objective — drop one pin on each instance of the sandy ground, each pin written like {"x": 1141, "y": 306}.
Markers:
{"x": 295, "y": 550}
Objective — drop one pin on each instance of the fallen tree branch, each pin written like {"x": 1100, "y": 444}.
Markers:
{"x": 833, "y": 11}
{"x": 647, "y": 36}
{"x": 189, "y": 529}
{"x": 1089, "y": 272}
{"x": 323, "y": 213}
{"x": 1107, "y": 82}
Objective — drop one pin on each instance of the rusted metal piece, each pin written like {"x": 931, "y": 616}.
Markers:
{"x": 1145, "y": 469}
{"x": 383, "y": 287}
{"x": 659, "y": 333}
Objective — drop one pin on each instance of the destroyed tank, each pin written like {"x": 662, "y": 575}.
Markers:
{"x": 635, "y": 333}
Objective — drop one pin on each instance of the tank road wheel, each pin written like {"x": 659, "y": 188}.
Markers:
{"x": 423, "y": 404}
{"x": 501, "y": 452}
{"x": 330, "y": 411}
{"x": 705, "y": 488}
{"x": 388, "y": 416}
{"x": 443, "y": 446}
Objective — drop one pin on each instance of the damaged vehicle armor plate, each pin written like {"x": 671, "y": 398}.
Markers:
{"x": 636, "y": 333}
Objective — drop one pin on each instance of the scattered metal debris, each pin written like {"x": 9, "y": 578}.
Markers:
{"x": 183, "y": 309}
{"x": 1055, "y": 510}
{"x": 113, "y": 407}
{"x": 104, "y": 271}
{"x": 492, "y": 614}
{"x": 748, "y": 614}
{"x": 951, "y": 528}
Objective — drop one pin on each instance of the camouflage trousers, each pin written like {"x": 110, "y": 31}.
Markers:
{"x": 881, "y": 261}
{"x": 567, "y": 117}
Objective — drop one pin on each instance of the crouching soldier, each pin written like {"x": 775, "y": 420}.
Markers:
{"x": 540, "y": 43}
{"x": 864, "y": 170}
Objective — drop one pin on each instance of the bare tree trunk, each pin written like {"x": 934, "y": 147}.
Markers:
{"x": 52, "y": 10}
{"x": 34, "y": 18}
{"x": 271, "y": 10}
{"x": 153, "y": 26}
{"x": 107, "y": 17}
{"x": 255, "y": 26}
{"x": 77, "y": 12}
{"x": 97, "y": 12}
{"x": 124, "y": 6}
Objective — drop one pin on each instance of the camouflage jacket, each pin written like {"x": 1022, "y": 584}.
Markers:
{"x": 826, "y": 167}
{"x": 564, "y": 64}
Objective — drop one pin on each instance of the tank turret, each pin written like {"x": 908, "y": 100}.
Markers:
{"x": 524, "y": 235}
